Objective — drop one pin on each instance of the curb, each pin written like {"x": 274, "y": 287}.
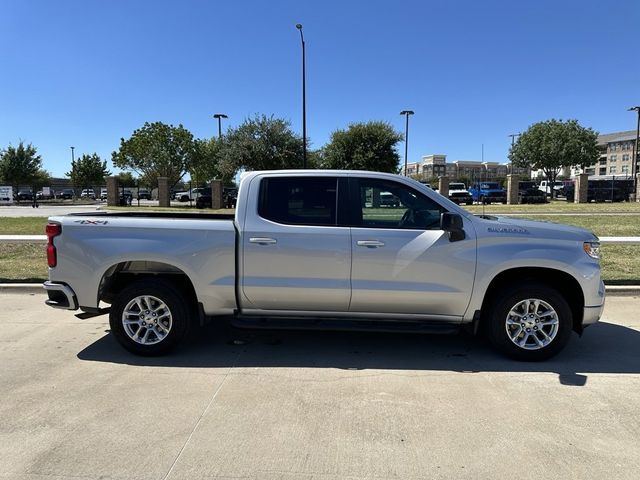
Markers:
{"x": 611, "y": 290}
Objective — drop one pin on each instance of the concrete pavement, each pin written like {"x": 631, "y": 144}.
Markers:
{"x": 305, "y": 405}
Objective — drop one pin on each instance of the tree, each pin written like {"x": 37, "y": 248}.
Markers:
{"x": 126, "y": 179}
{"x": 364, "y": 146}
{"x": 22, "y": 165}
{"x": 554, "y": 144}
{"x": 87, "y": 171}
{"x": 261, "y": 143}
{"x": 206, "y": 165}
{"x": 157, "y": 150}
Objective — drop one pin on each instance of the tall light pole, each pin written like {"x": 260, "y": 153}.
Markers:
{"x": 636, "y": 150}
{"x": 73, "y": 159}
{"x": 406, "y": 113}
{"x": 304, "y": 101}
{"x": 220, "y": 116}
{"x": 513, "y": 138}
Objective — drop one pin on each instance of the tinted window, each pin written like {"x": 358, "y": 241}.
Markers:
{"x": 387, "y": 204}
{"x": 299, "y": 200}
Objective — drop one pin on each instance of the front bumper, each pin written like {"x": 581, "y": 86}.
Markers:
{"x": 593, "y": 313}
{"x": 60, "y": 296}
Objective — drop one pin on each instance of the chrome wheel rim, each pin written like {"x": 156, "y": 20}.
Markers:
{"x": 147, "y": 320}
{"x": 532, "y": 324}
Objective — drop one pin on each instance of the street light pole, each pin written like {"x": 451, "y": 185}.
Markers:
{"x": 636, "y": 150}
{"x": 72, "y": 155}
{"x": 513, "y": 138}
{"x": 220, "y": 116}
{"x": 304, "y": 100}
{"x": 406, "y": 113}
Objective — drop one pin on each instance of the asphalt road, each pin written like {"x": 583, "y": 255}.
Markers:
{"x": 296, "y": 405}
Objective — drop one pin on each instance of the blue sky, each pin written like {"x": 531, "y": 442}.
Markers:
{"x": 86, "y": 73}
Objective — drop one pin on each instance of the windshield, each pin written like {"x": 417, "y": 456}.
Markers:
{"x": 456, "y": 186}
{"x": 490, "y": 186}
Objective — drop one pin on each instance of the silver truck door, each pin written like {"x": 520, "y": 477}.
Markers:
{"x": 295, "y": 257}
{"x": 401, "y": 261}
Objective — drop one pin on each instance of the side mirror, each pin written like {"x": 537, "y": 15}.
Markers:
{"x": 452, "y": 223}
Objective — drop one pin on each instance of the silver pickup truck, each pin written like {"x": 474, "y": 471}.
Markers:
{"x": 327, "y": 249}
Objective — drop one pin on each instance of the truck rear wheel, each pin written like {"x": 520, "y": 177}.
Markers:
{"x": 530, "y": 322}
{"x": 150, "y": 317}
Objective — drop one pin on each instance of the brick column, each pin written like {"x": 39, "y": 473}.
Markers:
{"x": 113, "y": 195}
{"x": 443, "y": 185}
{"x": 513, "y": 189}
{"x": 582, "y": 188}
{"x": 163, "y": 192}
{"x": 216, "y": 194}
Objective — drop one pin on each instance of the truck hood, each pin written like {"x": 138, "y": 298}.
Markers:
{"x": 521, "y": 228}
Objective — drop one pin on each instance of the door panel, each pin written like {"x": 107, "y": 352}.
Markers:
{"x": 292, "y": 266}
{"x": 401, "y": 261}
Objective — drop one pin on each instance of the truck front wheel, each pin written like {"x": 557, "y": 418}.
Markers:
{"x": 530, "y": 322}
{"x": 149, "y": 317}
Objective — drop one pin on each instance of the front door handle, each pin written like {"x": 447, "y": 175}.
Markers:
{"x": 263, "y": 240}
{"x": 370, "y": 243}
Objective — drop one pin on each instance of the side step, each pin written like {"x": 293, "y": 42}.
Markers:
{"x": 92, "y": 312}
{"x": 344, "y": 324}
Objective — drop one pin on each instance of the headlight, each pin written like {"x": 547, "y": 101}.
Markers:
{"x": 592, "y": 249}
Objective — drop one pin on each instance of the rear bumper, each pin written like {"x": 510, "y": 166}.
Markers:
{"x": 60, "y": 296}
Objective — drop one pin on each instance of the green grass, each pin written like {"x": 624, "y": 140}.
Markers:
{"x": 23, "y": 262}
{"x": 22, "y": 225}
{"x": 558, "y": 206}
{"x": 601, "y": 225}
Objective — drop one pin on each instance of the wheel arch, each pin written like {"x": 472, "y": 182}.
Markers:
{"x": 561, "y": 281}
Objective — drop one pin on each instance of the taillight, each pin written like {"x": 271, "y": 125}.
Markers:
{"x": 53, "y": 230}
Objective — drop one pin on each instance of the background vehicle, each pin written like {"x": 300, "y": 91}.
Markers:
{"x": 304, "y": 250}
{"x": 229, "y": 197}
{"x": 103, "y": 194}
{"x": 66, "y": 194}
{"x": 545, "y": 186}
{"x": 488, "y": 192}
{"x": 600, "y": 191}
{"x": 88, "y": 193}
{"x": 190, "y": 194}
{"x": 143, "y": 194}
{"x": 24, "y": 195}
{"x": 41, "y": 196}
{"x": 459, "y": 194}
{"x": 528, "y": 192}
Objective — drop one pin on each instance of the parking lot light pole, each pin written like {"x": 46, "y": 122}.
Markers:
{"x": 304, "y": 101}
{"x": 220, "y": 116}
{"x": 72, "y": 154}
{"x": 636, "y": 151}
{"x": 406, "y": 113}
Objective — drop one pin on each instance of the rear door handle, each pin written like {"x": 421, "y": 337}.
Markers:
{"x": 370, "y": 243}
{"x": 263, "y": 240}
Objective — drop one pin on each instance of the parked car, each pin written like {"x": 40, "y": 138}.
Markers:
{"x": 558, "y": 187}
{"x": 103, "y": 194}
{"x": 600, "y": 191}
{"x": 190, "y": 194}
{"x": 67, "y": 194}
{"x": 528, "y": 192}
{"x": 24, "y": 195}
{"x": 459, "y": 194}
{"x": 229, "y": 196}
{"x": 41, "y": 195}
{"x": 88, "y": 193}
{"x": 488, "y": 192}
{"x": 143, "y": 194}
{"x": 290, "y": 257}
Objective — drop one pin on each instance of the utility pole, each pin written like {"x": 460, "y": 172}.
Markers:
{"x": 304, "y": 101}
{"x": 636, "y": 151}
{"x": 72, "y": 155}
{"x": 513, "y": 138}
{"x": 220, "y": 116}
{"x": 406, "y": 113}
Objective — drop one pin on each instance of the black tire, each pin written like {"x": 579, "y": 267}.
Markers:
{"x": 174, "y": 299}
{"x": 507, "y": 299}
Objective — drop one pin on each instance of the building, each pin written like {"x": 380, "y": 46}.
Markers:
{"x": 616, "y": 150}
{"x": 433, "y": 166}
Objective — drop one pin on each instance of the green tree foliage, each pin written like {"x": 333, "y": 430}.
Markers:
{"x": 206, "y": 165}
{"x": 22, "y": 165}
{"x": 157, "y": 150}
{"x": 126, "y": 179}
{"x": 261, "y": 143}
{"x": 554, "y": 144}
{"x": 363, "y": 146}
{"x": 87, "y": 171}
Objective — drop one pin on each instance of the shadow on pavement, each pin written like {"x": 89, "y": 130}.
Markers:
{"x": 604, "y": 348}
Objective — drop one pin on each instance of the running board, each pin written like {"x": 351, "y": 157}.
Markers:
{"x": 344, "y": 324}
{"x": 92, "y": 312}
